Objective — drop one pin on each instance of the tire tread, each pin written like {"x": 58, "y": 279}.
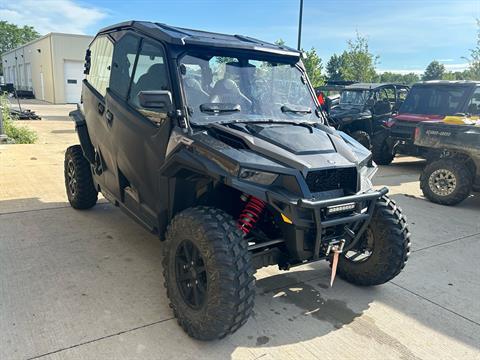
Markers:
{"x": 86, "y": 196}
{"x": 235, "y": 300}
{"x": 392, "y": 258}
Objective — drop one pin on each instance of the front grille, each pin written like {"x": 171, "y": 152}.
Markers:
{"x": 333, "y": 179}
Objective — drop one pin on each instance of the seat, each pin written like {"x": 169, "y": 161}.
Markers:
{"x": 196, "y": 96}
{"x": 227, "y": 91}
{"x": 154, "y": 79}
{"x": 382, "y": 107}
{"x": 473, "y": 109}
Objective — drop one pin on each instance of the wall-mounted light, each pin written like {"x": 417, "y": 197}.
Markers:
{"x": 39, "y": 50}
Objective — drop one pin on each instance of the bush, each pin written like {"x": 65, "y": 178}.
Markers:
{"x": 19, "y": 134}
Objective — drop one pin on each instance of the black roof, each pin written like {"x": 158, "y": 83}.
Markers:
{"x": 181, "y": 36}
{"x": 369, "y": 86}
{"x": 467, "y": 83}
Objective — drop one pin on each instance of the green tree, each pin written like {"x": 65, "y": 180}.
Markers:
{"x": 334, "y": 67}
{"x": 434, "y": 71}
{"x": 391, "y": 77}
{"x": 12, "y": 36}
{"x": 358, "y": 63}
{"x": 407, "y": 79}
{"x": 314, "y": 67}
{"x": 473, "y": 71}
{"x": 449, "y": 76}
{"x": 410, "y": 78}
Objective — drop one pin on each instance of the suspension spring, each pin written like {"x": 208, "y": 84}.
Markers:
{"x": 250, "y": 214}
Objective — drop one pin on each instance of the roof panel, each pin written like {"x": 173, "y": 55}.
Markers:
{"x": 184, "y": 36}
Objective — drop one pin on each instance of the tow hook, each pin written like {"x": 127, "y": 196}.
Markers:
{"x": 335, "y": 247}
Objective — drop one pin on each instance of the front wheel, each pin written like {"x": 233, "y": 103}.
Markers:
{"x": 383, "y": 250}
{"x": 208, "y": 273}
{"x": 446, "y": 181}
{"x": 363, "y": 138}
{"x": 382, "y": 152}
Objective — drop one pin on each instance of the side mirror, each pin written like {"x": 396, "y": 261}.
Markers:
{"x": 156, "y": 100}
{"x": 370, "y": 102}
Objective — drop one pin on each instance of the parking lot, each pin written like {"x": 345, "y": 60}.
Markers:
{"x": 89, "y": 285}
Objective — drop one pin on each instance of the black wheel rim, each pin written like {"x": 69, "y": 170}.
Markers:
{"x": 71, "y": 178}
{"x": 364, "y": 250}
{"x": 191, "y": 275}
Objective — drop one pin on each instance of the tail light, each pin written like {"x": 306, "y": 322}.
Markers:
{"x": 416, "y": 134}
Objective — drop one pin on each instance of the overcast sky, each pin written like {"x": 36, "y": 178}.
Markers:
{"x": 406, "y": 35}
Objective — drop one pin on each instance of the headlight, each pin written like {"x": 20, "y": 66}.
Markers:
{"x": 256, "y": 176}
{"x": 366, "y": 175}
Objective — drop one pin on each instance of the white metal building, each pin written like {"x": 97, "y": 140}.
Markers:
{"x": 51, "y": 66}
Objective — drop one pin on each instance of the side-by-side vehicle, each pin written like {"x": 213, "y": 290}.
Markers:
{"x": 217, "y": 144}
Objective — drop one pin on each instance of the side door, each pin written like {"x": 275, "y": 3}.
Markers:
{"x": 93, "y": 96}
{"x": 141, "y": 134}
{"x": 383, "y": 106}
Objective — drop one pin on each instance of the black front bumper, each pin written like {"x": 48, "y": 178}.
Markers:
{"x": 313, "y": 228}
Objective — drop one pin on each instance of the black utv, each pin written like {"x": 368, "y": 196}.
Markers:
{"x": 364, "y": 107}
{"x": 216, "y": 143}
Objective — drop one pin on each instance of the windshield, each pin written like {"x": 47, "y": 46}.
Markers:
{"x": 354, "y": 97}
{"x": 435, "y": 100}
{"x": 223, "y": 89}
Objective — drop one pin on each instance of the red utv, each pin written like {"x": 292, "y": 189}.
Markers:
{"x": 428, "y": 101}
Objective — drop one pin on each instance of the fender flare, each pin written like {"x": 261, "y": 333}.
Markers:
{"x": 83, "y": 136}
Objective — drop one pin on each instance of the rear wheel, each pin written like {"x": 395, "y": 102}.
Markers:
{"x": 382, "y": 152}
{"x": 79, "y": 185}
{"x": 208, "y": 273}
{"x": 363, "y": 138}
{"x": 383, "y": 249}
{"x": 446, "y": 181}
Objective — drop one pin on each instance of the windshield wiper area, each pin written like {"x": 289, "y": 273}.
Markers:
{"x": 296, "y": 109}
{"x": 220, "y": 108}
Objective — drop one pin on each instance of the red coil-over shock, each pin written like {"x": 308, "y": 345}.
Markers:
{"x": 251, "y": 214}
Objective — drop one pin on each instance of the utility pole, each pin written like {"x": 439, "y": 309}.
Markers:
{"x": 300, "y": 26}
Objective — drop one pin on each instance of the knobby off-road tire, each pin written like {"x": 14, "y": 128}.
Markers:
{"x": 446, "y": 181}
{"x": 363, "y": 138}
{"x": 382, "y": 152}
{"x": 390, "y": 248}
{"x": 227, "y": 267}
{"x": 79, "y": 185}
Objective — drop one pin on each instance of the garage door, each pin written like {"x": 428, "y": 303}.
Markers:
{"x": 73, "y": 76}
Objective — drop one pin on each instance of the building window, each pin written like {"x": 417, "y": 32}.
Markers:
{"x": 100, "y": 64}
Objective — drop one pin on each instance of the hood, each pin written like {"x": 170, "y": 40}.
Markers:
{"x": 286, "y": 146}
{"x": 349, "y": 113}
{"x": 297, "y": 139}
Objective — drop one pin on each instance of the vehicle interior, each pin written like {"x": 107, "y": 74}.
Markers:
{"x": 258, "y": 87}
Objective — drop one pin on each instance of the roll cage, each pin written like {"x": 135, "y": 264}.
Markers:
{"x": 179, "y": 41}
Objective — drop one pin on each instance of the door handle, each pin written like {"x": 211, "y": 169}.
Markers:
{"x": 101, "y": 108}
{"x": 109, "y": 117}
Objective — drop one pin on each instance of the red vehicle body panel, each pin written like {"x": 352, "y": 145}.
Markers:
{"x": 418, "y": 117}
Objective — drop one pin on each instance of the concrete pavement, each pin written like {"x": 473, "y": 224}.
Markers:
{"x": 89, "y": 285}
